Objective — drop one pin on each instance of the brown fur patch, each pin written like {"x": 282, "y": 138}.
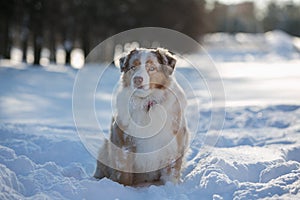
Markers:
{"x": 125, "y": 66}
{"x": 136, "y": 62}
{"x": 150, "y": 62}
{"x": 177, "y": 168}
{"x": 158, "y": 80}
{"x": 126, "y": 79}
{"x": 167, "y": 61}
{"x": 120, "y": 138}
{"x": 159, "y": 57}
{"x": 177, "y": 114}
{"x": 116, "y": 136}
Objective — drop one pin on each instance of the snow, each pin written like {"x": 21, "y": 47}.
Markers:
{"x": 256, "y": 156}
{"x": 275, "y": 45}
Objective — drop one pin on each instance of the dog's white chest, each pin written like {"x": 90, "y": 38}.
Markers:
{"x": 151, "y": 128}
{"x": 146, "y": 120}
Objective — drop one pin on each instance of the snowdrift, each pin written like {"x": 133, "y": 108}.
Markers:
{"x": 273, "y": 45}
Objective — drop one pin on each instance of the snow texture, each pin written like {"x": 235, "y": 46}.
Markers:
{"x": 257, "y": 155}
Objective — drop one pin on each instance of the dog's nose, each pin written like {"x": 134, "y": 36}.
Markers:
{"x": 138, "y": 80}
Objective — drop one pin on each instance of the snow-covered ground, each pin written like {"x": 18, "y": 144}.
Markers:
{"x": 257, "y": 154}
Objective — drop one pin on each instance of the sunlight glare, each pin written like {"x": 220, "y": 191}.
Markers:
{"x": 45, "y": 54}
{"x": 60, "y": 56}
{"x": 30, "y": 55}
{"x": 16, "y": 54}
{"x": 77, "y": 58}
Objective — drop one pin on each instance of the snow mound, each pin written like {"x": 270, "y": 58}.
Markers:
{"x": 273, "y": 45}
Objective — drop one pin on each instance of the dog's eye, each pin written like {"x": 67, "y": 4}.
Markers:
{"x": 133, "y": 67}
{"x": 151, "y": 68}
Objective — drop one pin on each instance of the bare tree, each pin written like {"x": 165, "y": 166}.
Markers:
{"x": 6, "y": 16}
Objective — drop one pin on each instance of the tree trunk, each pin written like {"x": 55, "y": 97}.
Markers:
{"x": 6, "y": 40}
{"x": 37, "y": 45}
{"x": 24, "y": 50}
{"x": 68, "y": 57}
{"x": 52, "y": 49}
{"x": 68, "y": 48}
{"x": 85, "y": 46}
{"x": 24, "y": 37}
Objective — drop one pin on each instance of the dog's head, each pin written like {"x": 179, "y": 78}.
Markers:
{"x": 145, "y": 70}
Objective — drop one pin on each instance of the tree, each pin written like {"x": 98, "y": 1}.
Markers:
{"x": 85, "y": 23}
{"x": 6, "y": 16}
{"x": 36, "y": 15}
{"x": 285, "y": 17}
{"x": 273, "y": 17}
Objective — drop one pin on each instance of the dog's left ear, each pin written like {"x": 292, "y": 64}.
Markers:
{"x": 167, "y": 59}
{"x": 122, "y": 63}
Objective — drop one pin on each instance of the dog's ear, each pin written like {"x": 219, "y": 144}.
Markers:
{"x": 124, "y": 61}
{"x": 167, "y": 59}
{"x": 171, "y": 60}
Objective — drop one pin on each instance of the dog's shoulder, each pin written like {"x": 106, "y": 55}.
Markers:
{"x": 122, "y": 105}
{"x": 176, "y": 92}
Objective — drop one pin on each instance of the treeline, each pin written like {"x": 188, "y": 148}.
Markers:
{"x": 246, "y": 17}
{"x": 70, "y": 24}
{"x": 285, "y": 17}
{"x": 85, "y": 23}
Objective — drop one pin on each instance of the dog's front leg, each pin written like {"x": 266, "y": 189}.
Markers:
{"x": 102, "y": 170}
{"x": 126, "y": 176}
{"x": 123, "y": 158}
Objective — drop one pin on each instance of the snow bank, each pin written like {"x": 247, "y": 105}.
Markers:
{"x": 273, "y": 45}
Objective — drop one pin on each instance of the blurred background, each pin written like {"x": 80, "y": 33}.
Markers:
{"x": 42, "y": 32}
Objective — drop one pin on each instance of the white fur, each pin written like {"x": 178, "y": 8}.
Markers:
{"x": 141, "y": 72}
{"x": 155, "y": 125}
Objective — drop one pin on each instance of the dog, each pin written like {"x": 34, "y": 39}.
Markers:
{"x": 149, "y": 121}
